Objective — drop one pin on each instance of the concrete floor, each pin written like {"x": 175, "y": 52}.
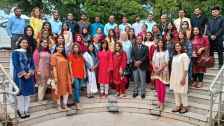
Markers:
{"x": 109, "y": 119}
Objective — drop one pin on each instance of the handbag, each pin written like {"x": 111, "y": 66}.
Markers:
{"x": 51, "y": 83}
{"x": 204, "y": 60}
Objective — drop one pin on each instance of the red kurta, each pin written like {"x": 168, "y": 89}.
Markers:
{"x": 103, "y": 71}
{"x": 151, "y": 49}
{"x": 116, "y": 62}
{"x": 197, "y": 43}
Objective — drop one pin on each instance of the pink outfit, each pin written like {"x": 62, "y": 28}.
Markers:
{"x": 197, "y": 43}
{"x": 103, "y": 71}
{"x": 161, "y": 90}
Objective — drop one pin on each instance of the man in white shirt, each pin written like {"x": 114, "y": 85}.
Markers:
{"x": 110, "y": 25}
{"x": 137, "y": 26}
{"x": 124, "y": 23}
{"x": 149, "y": 22}
{"x": 181, "y": 19}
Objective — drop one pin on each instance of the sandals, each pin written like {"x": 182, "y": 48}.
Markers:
{"x": 184, "y": 110}
{"x": 177, "y": 109}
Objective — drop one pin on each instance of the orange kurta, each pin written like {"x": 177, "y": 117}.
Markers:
{"x": 63, "y": 74}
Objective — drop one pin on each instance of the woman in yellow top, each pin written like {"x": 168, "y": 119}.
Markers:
{"x": 36, "y": 20}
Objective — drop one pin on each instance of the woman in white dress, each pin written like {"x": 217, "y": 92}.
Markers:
{"x": 91, "y": 65}
{"x": 179, "y": 78}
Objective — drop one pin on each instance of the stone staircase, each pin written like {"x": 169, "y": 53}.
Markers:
{"x": 198, "y": 100}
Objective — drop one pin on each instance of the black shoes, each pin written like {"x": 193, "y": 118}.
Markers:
{"x": 143, "y": 96}
{"x": 27, "y": 114}
{"x": 134, "y": 95}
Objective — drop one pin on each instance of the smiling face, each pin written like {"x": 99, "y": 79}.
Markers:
{"x": 178, "y": 48}
{"x": 196, "y": 31}
{"x": 24, "y": 44}
{"x": 75, "y": 48}
{"x": 60, "y": 48}
{"x": 61, "y": 40}
{"x": 117, "y": 47}
{"x": 29, "y": 32}
{"x": 44, "y": 43}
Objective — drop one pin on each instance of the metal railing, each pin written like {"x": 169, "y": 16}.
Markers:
{"x": 8, "y": 103}
{"x": 216, "y": 90}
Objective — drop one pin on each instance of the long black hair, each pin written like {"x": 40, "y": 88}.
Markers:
{"x": 30, "y": 39}
{"x": 94, "y": 49}
{"x": 28, "y": 50}
{"x": 63, "y": 52}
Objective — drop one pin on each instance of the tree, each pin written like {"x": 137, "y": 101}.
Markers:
{"x": 119, "y": 8}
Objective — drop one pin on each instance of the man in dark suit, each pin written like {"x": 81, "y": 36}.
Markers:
{"x": 215, "y": 33}
{"x": 139, "y": 58}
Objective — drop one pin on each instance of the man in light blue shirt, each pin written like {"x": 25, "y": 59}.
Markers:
{"x": 149, "y": 22}
{"x": 56, "y": 24}
{"x": 15, "y": 27}
{"x": 124, "y": 24}
{"x": 110, "y": 25}
{"x": 96, "y": 25}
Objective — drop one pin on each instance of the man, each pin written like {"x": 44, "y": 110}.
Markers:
{"x": 181, "y": 19}
{"x": 73, "y": 25}
{"x": 139, "y": 58}
{"x": 83, "y": 23}
{"x": 15, "y": 27}
{"x": 137, "y": 26}
{"x": 96, "y": 25}
{"x": 149, "y": 22}
{"x": 110, "y": 25}
{"x": 163, "y": 24}
{"x": 124, "y": 24}
{"x": 215, "y": 33}
{"x": 199, "y": 20}
{"x": 56, "y": 24}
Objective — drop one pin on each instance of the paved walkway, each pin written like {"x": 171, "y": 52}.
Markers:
{"x": 109, "y": 119}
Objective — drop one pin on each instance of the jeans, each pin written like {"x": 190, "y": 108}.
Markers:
{"x": 140, "y": 81}
{"x": 76, "y": 91}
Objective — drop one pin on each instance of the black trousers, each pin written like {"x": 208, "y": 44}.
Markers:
{"x": 198, "y": 77}
{"x": 218, "y": 46}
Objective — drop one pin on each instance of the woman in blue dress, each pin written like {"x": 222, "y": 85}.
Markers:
{"x": 23, "y": 75}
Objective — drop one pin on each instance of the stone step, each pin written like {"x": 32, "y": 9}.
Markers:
{"x": 141, "y": 108}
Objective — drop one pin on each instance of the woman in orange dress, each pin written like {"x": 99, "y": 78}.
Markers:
{"x": 62, "y": 77}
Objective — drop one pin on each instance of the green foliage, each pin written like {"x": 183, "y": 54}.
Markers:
{"x": 119, "y": 8}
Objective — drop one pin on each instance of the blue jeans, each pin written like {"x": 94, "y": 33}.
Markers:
{"x": 76, "y": 91}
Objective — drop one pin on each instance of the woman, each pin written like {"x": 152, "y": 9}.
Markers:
{"x": 45, "y": 33}
{"x": 62, "y": 77}
{"x": 23, "y": 76}
{"x": 67, "y": 36}
{"x": 171, "y": 32}
{"x": 118, "y": 63}
{"x": 160, "y": 72}
{"x": 117, "y": 32}
{"x": 150, "y": 43}
{"x": 42, "y": 67}
{"x": 179, "y": 78}
{"x": 111, "y": 40}
{"x": 77, "y": 66}
{"x": 86, "y": 36}
{"x": 29, "y": 33}
{"x": 200, "y": 46}
{"x": 81, "y": 42}
{"x": 185, "y": 27}
{"x": 91, "y": 65}
{"x": 131, "y": 35}
{"x": 156, "y": 32}
{"x": 103, "y": 72}
{"x": 36, "y": 21}
{"x": 144, "y": 31}
{"x": 60, "y": 40}
{"x": 127, "y": 48}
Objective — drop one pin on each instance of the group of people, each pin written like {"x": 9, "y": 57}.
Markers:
{"x": 71, "y": 55}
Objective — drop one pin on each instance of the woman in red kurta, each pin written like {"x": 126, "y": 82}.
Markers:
{"x": 80, "y": 41}
{"x": 118, "y": 63}
{"x": 103, "y": 71}
{"x": 200, "y": 45}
